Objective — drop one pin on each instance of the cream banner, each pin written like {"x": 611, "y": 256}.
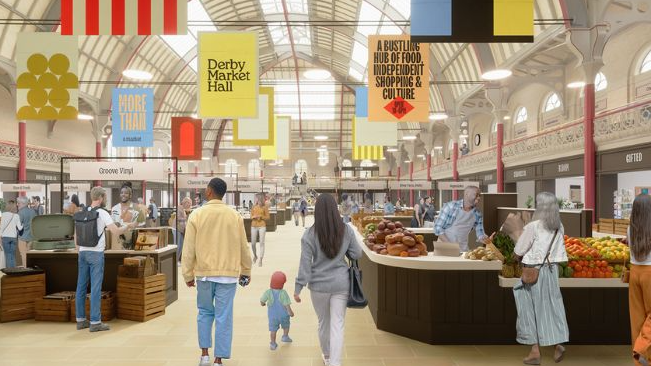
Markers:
{"x": 190, "y": 182}
{"x": 452, "y": 186}
{"x": 375, "y": 133}
{"x": 69, "y": 187}
{"x": 21, "y": 187}
{"x": 371, "y": 184}
{"x": 252, "y": 186}
{"x": 409, "y": 184}
{"x": 118, "y": 170}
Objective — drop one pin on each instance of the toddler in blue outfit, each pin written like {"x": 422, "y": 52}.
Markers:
{"x": 278, "y": 308}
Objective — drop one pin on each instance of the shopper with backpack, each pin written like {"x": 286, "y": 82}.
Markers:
{"x": 91, "y": 241}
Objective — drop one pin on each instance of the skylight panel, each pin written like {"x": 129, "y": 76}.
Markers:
{"x": 390, "y": 29}
{"x": 360, "y": 54}
{"x": 194, "y": 64}
{"x": 180, "y": 44}
{"x": 402, "y": 6}
{"x": 369, "y": 16}
{"x": 355, "y": 74}
{"x": 197, "y": 13}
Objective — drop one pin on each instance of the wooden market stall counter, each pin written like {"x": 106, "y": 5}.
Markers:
{"x": 61, "y": 268}
{"x": 577, "y": 223}
{"x": 428, "y": 235}
{"x": 272, "y": 224}
{"x": 451, "y": 300}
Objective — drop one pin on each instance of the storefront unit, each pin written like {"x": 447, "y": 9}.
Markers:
{"x": 576, "y": 223}
{"x": 622, "y": 169}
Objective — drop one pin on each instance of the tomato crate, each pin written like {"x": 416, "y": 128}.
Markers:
{"x": 18, "y": 295}
{"x": 107, "y": 307}
{"x": 141, "y": 299}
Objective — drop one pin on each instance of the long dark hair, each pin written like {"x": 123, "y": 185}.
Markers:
{"x": 640, "y": 240}
{"x": 328, "y": 225}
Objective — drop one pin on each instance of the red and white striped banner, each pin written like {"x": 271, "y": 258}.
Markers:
{"x": 124, "y": 17}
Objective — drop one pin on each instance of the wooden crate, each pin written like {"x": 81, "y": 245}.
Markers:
{"x": 52, "y": 310}
{"x": 595, "y": 227}
{"x": 607, "y": 226}
{"x": 141, "y": 299}
{"x": 107, "y": 307}
{"x": 18, "y": 295}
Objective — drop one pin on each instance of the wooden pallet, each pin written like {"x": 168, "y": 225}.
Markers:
{"x": 52, "y": 310}
{"x": 18, "y": 295}
{"x": 141, "y": 299}
{"x": 107, "y": 307}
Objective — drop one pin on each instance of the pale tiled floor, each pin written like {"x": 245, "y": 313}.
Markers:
{"x": 171, "y": 340}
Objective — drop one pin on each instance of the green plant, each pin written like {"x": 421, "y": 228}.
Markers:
{"x": 529, "y": 202}
{"x": 506, "y": 246}
{"x": 3, "y": 204}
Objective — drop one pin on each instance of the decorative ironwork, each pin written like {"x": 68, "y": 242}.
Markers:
{"x": 633, "y": 122}
{"x": 10, "y": 151}
{"x": 483, "y": 160}
{"x": 544, "y": 144}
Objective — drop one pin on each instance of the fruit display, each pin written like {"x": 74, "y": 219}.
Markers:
{"x": 391, "y": 238}
{"x": 577, "y": 249}
{"x": 369, "y": 229}
{"x": 591, "y": 269}
{"x": 612, "y": 250}
{"x": 481, "y": 254}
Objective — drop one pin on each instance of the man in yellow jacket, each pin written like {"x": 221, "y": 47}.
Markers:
{"x": 215, "y": 255}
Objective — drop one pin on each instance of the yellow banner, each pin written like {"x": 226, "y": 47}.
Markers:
{"x": 47, "y": 87}
{"x": 257, "y": 131}
{"x": 365, "y": 152}
{"x": 228, "y": 75}
{"x": 513, "y": 17}
{"x": 280, "y": 149}
{"x": 398, "y": 79}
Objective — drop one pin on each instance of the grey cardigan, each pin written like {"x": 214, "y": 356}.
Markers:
{"x": 320, "y": 273}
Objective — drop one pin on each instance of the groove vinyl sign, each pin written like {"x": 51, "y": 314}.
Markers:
{"x": 398, "y": 81}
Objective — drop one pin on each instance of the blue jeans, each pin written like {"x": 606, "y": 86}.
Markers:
{"x": 179, "y": 242}
{"x": 215, "y": 303}
{"x": 90, "y": 269}
{"x": 9, "y": 246}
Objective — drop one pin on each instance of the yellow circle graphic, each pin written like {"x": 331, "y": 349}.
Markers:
{"x": 69, "y": 81}
{"x": 48, "y": 81}
{"x": 68, "y": 112}
{"x": 27, "y": 112}
{"x": 59, "y": 97}
{"x": 59, "y": 64}
{"x": 48, "y": 112}
{"x": 37, "y": 97}
{"x": 26, "y": 81}
{"x": 37, "y": 64}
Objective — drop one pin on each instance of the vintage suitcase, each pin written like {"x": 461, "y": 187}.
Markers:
{"x": 53, "y": 232}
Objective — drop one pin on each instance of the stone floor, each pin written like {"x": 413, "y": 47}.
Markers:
{"x": 171, "y": 340}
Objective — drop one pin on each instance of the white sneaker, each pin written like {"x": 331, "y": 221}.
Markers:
{"x": 205, "y": 361}
{"x": 326, "y": 360}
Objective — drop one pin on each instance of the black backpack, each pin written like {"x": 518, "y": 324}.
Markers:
{"x": 86, "y": 227}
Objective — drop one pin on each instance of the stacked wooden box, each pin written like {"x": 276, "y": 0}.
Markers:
{"x": 54, "y": 307}
{"x": 18, "y": 295}
{"x": 607, "y": 226}
{"x": 621, "y": 227}
{"x": 107, "y": 307}
{"x": 141, "y": 299}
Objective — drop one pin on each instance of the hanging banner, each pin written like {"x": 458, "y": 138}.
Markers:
{"x": 270, "y": 188}
{"x": 398, "y": 185}
{"x": 250, "y": 186}
{"x": 124, "y": 17}
{"x": 377, "y": 185}
{"x": 69, "y": 187}
{"x": 47, "y": 87}
{"x": 228, "y": 75}
{"x": 365, "y": 152}
{"x": 280, "y": 149}
{"x": 398, "y": 79}
{"x": 186, "y": 138}
{"x": 456, "y": 186}
{"x": 472, "y": 21}
{"x": 118, "y": 170}
{"x": 132, "y": 115}
{"x": 21, "y": 187}
{"x": 257, "y": 131}
{"x": 375, "y": 133}
{"x": 190, "y": 182}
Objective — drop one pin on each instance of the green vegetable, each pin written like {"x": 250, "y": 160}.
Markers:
{"x": 568, "y": 272}
{"x": 505, "y": 245}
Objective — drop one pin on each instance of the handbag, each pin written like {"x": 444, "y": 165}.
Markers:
{"x": 356, "y": 298}
{"x": 530, "y": 274}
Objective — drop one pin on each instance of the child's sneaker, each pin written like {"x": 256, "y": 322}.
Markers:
{"x": 273, "y": 346}
{"x": 286, "y": 339}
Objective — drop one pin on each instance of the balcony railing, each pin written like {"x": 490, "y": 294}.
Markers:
{"x": 9, "y": 151}
{"x": 629, "y": 122}
{"x": 477, "y": 162}
{"x": 559, "y": 141}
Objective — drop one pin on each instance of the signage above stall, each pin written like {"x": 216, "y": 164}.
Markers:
{"x": 626, "y": 160}
{"x": 118, "y": 170}
{"x": 270, "y": 188}
{"x": 190, "y": 182}
{"x": 397, "y": 185}
{"x": 360, "y": 168}
{"x": 456, "y": 186}
{"x": 70, "y": 187}
{"x": 364, "y": 185}
{"x": 251, "y": 186}
{"x": 21, "y": 187}
{"x": 565, "y": 168}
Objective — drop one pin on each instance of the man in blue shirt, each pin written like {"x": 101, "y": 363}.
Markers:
{"x": 26, "y": 214}
{"x": 458, "y": 218}
{"x": 389, "y": 208}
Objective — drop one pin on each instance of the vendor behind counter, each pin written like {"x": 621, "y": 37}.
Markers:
{"x": 458, "y": 218}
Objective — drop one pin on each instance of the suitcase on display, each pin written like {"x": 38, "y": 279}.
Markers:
{"x": 53, "y": 232}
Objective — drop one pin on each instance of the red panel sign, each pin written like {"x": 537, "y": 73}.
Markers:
{"x": 399, "y": 107}
{"x": 186, "y": 138}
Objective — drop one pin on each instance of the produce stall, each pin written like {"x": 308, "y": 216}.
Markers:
{"x": 458, "y": 300}
{"x": 428, "y": 236}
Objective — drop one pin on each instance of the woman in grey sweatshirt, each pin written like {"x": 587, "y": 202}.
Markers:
{"x": 323, "y": 269}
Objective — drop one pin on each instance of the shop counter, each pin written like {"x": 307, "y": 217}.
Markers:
{"x": 271, "y": 223}
{"x": 61, "y": 268}
{"x": 405, "y": 220}
{"x": 428, "y": 235}
{"x": 247, "y": 228}
{"x": 577, "y": 223}
{"x": 280, "y": 217}
{"x": 574, "y": 282}
{"x": 288, "y": 214}
{"x": 450, "y": 300}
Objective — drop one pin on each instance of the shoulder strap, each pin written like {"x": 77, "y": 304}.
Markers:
{"x": 551, "y": 244}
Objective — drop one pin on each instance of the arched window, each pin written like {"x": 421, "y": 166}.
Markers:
{"x": 494, "y": 128}
{"x": 521, "y": 115}
{"x": 231, "y": 167}
{"x": 346, "y": 173}
{"x": 646, "y": 64}
{"x": 254, "y": 168}
{"x": 600, "y": 82}
{"x": 324, "y": 158}
{"x": 553, "y": 102}
{"x": 111, "y": 151}
{"x": 300, "y": 167}
{"x": 365, "y": 173}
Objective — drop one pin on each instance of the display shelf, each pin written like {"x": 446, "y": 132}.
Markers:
{"x": 602, "y": 235}
{"x": 574, "y": 282}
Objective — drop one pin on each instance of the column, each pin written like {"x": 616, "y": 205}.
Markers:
{"x": 22, "y": 153}
{"x": 144, "y": 183}
{"x": 98, "y": 154}
{"x": 500, "y": 162}
{"x": 589, "y": 165}
{"x": 455, "y": 172}
{"x": 411, "y": 177}
{"x": 429, "y": 171}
